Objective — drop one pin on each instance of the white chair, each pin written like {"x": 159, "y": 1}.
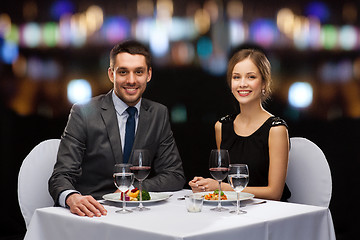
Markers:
{"x": 34, "y": 174}
{"x": 308, "y": 175}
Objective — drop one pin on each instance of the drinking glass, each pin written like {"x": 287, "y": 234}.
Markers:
{"x": 123, "y": 179}
{"x": 238, "y": 178}
{"x": 141, "y": 166}
{"x": 219, "y": 168}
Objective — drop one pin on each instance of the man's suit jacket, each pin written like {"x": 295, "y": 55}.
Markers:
{"x": 90, "y": 147}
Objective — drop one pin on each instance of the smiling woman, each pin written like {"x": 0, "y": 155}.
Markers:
{"x": 254, "y": 136}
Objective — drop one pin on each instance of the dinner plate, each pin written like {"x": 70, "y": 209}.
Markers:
{"x": 155, "y": 197}
{"x": 231, "y": 196}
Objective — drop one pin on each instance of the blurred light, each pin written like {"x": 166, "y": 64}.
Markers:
{"x": 145, "y": 8}
{"x": 94, "y": 19}
{"x": 237, "y": 32}
{"x": 13, "y": 34}
{"x": 202, "y": 21}
{"x": 329, "y": 37}
{"x": 30, "y": 10}
{"x": 61, "y": 7}
{"x": 182, "y": 53}
{"x": 263, "y": 32}
{"x": 143, "y": 28}
{"x": 217, "y": 64}
{"x": 79, "y": 90}
{"x": 314, "y": 33}
{"x": 116, "y": 29}
{"x": 301, "y": 32}
{"x": 328, "y": 72}
{"x": 356, "y": 68}
{"x": 318, "y": 9}
{"x": 179, "y": 114}
{"x": 300, "y": 94}
{"x": 285, "y": 21}
{"x": 35, "y": 68}
{"x": 5, "y": 24}
{"x": 344, "y": 71}
{"x": 350, "y": 12}
{"x": 9, "y": 52}
{"x": 191, "y": 8}
{"x": 212, "y": 8}
{"x": 51, "y": 34}
{"x": 19, "y": 67}
{"x": 164, "y": 9}
{"x": 51, "y": 70}
{"x": 65, "y": 30}
{"x": 159, "y": 40}
{"x": 182, "y": 29}
{"x": 204, "y": 47}
{"x": 31, "y": 35}
{"x": 348, "y": 37}
{"x": 78, "y": 29}
{"x": 234, "y": 9}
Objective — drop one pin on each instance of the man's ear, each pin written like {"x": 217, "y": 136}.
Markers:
{"x": 149, "y": 75}
{"x": 111, "y": 74}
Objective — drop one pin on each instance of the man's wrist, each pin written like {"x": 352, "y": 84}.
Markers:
{"x": 64, "y": 195}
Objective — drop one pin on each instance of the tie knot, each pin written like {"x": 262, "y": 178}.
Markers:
{"x": 131, "y": 111}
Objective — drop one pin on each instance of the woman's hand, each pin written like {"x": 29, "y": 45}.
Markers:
{"x": 200, "y": 184}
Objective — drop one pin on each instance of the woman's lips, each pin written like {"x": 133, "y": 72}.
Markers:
{"x": 244, "y": 93}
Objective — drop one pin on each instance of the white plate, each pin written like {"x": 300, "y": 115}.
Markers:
{"x": 231, "y": 196}
{"x": 155, "y": 197}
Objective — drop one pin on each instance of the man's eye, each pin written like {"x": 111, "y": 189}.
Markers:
{"x": 139, "y": 72}
{"x": 122, "y": 72}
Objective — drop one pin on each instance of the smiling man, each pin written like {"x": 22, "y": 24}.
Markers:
{"x": 95, "y": 137}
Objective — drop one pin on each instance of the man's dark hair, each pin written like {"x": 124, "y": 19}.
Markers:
{"x": 133, "y": 47}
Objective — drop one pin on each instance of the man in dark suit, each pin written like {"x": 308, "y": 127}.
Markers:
{"x": 94, "y": 138}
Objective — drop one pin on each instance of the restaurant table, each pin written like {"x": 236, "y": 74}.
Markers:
{"x": 169, "y": 219}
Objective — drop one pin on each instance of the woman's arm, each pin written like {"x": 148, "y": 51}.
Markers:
{"x": 279, "y": 156}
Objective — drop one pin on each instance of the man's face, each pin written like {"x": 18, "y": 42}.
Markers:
{"x": 130, "y": 76}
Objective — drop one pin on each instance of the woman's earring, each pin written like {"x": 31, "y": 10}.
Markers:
{"x": 263, "y": 92}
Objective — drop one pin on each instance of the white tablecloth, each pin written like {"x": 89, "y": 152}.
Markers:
{"x": 169, "y": 219}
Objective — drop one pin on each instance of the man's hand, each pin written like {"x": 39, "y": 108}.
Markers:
{"x": 85, "y": 205}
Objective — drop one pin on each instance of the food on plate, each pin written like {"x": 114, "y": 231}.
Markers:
{"x": 215, "y": 195}
{"x": 133, "y": 195}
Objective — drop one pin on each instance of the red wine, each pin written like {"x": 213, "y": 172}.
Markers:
{"x": 219, "y": 173}
{"x": 140, "y": 172}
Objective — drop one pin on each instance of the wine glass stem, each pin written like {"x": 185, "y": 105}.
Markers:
{"x": 140, "y": 189}
{"x": 237, "y": 202}
{"x": 219, "y": 202}
{"x": 124, "y": 202}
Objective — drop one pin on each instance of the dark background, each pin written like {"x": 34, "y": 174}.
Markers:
{"x": 331, "y": 121}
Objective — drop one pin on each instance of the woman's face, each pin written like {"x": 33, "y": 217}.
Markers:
{"x": 246, "y": 82}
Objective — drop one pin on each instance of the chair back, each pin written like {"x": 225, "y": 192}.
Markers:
{"x": 34, "y": 174}
{"x": 308, "y": 175}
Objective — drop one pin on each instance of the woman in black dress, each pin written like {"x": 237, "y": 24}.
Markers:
{"x": 254, "y": 136}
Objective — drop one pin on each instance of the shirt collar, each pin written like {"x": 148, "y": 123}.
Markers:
{"x": 121, "y": 107}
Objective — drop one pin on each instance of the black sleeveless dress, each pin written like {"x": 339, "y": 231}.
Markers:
{"x": 252, "y": 150}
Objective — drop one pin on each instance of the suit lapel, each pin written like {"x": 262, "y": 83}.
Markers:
{"x": 108, "y": 114}
{"x": 143, "y": 124}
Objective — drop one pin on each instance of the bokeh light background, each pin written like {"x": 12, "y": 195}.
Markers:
{"x": 55, "y": 53}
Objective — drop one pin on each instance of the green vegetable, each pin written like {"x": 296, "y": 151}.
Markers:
{"x": 145, "y": 196}
{"x": 217, "y": 192}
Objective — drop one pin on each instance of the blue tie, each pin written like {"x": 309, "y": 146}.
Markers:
{"x": 129, "y": 133}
